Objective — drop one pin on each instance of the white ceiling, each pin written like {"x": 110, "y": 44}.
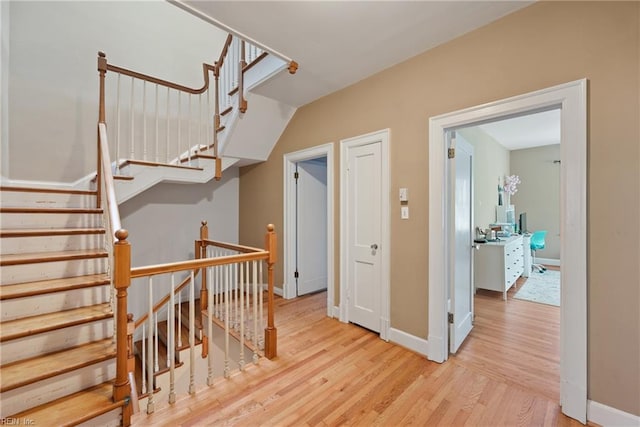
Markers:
{"x": 338, "y": 43}
{"x": 528, "y": 131}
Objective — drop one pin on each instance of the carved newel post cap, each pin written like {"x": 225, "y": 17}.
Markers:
{"x": 203, "y": 223}
{"x": 270, "y": 228}
{"x": 101, "y": 54}
{"x": 122, "y": 234}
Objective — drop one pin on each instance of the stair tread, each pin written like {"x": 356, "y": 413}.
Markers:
{"x": 50, "y": 210}
{"x": 20, "y": 290}
{"x": 26, "y": 326}
{"x": 73, "y": 409}
{"x": 33, "y": 232}
{"x": 28, "y": 371}
{"x": 38, "y": 257}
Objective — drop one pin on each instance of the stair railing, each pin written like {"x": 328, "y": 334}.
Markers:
{"x": 245, "y": 261}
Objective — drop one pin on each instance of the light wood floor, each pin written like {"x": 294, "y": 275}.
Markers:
{"x": 330, "y": 373}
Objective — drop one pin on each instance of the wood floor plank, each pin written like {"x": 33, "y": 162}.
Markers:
{"x": 330, "y": 373}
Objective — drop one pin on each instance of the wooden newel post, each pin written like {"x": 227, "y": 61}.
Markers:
{"x": 121, "y": 281}
{"x": 102, "y": 70}
{"x": 201, "y": 252}
{"x": 242, "y": 102}
{"x": 270, "y": 332}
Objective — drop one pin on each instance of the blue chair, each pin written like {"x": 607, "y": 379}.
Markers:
{"x": 537, "y": 243}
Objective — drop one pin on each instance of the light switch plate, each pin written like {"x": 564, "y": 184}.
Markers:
{"x": 404, "y": 212}
{"x": 404, "y": 195}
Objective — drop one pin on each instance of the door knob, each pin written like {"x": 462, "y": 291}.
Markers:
{"x": 374, "y": 246}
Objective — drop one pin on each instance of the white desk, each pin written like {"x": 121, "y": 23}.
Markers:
{"x": 497, "y": 265}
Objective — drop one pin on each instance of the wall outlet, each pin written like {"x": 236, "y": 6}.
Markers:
{"x": 404, "y": 212}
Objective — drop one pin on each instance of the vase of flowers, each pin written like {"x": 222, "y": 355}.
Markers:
{"x": 510, "y": 186}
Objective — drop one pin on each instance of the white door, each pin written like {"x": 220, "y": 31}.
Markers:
{"x": 363, "y": 228}
{"x": 461, "y": 292}
{"x": 311, "y": 213}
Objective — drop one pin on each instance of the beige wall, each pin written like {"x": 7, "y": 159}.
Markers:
{"x": 490, "y": 162}
{"x": 542, "y": 45}
{"x": 539, "y": 193}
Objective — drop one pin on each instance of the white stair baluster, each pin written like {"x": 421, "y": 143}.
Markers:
{"x": 254, "y": 274}
{"x": 179, "y": 124}
{"x": 171, "y": 332}
{"x": 156, "y": 365}
{"x": 166, "y": 153}
{"x": 241, "y": 285}
{"x": 189, "y": 125}
{"x": 157, "y": 156}
{"x": 168, "y": 331}
{"x": 144, "y": 120}
{"x": 210, "y": 330}
{"x": 261, "y": 293}
{"x": 118, "y": 127}
{"x": 132, "y": 123}
{"x": 227, "y": 371}
{"x": 179, "y": 333}
{"x": 144, "y": 360}
{"x": 199, "y": 124}
{"x": 192, "y": 334}
{"x": 150, "y": 381}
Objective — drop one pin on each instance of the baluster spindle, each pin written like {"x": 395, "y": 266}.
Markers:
{"x": 179, "y": 125}
{"x": 132, "y": 123}
{"x": 199, "y": 123}
{"x": 261, "y": 303}
{"x": 150, "y": 381}
{"x": 227, "y": 371}
{"x": 210, "y": 329}
{"x": 241, "y": 284}
{"x": 172, "y": 341}
{"x": 144, "y": 120}
{"x": 118, "y": 126}
{"x": 189, "y": 125}
{"x": 156, "y": 363}
{"x": 157, "y": 156}
{"x": 179, "y": 333}
{"x": 168, "y": 332}
{"x": 144, "y": 360}
{"x": 166, "y": 153}
{"x": 192, "y": 336}
{"x": 254, "y": 276}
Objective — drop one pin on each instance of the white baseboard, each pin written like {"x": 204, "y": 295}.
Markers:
{"x": 547, "y": 261}
{"x": 276, "y": 291}
{"x": 419, "y": 345}
{"x": 607, "y": 416}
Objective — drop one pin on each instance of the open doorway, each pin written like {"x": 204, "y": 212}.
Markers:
{"x": 308, "y": 223}
{"x": 571, "y": 99}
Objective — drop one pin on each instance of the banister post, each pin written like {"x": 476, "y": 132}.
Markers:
{"x": 270, "y": 332}
{"x": 242, "y": 103}
{"x": 121, "y": 282}
{"x": 201, "y": 251}
{"x": 216, "y": 123}
{"x": 102, "y": 70}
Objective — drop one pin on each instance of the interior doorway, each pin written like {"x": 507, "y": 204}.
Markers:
{"x": 315, "y": 163}
{"x": 571, "y": 99}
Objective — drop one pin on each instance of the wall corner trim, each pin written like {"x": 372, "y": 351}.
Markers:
{"x": 610, "y": 417}
{"x": 419, "y": 345}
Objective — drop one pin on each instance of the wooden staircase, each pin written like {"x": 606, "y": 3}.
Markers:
{"x": 57, "y": 350}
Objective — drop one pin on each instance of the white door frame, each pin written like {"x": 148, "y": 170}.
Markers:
{"x": 572, "y": 99}
{"x": 383, "y": 137}
{"x": 290, "y": 160}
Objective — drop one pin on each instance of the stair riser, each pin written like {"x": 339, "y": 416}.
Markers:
{"x": 50, "y": 220}
{"x": 49, "y": 303}
{"x": 21, "y": 245}
{"x": 48, "y": 342}
{"x": 29, "y": 396}
{"x": 51, "y": 270}
{"x": 46, "y": 200}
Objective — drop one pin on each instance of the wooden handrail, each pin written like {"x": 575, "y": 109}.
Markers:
{"x": 231, "y": 246}
{"x": 205, "y": 68}
{"x": 112, "y": 202}
{"x": 225, "y": 49}
{"x": 194, "y": 264}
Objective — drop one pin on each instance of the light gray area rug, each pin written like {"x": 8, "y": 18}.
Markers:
{"x": 541, "y": 287}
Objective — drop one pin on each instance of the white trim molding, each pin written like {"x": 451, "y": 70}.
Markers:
{"x": 571, "y": 99}
{"x": 610, "y": 417}
{"x": 383, "y": 136}
{"x": 548, "y": 261}
{"x": 413, "y": 343}
{"x": 289, "y": 167}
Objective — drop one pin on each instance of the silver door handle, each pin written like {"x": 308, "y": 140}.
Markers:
{"x": 374, "y": 246}
{"x": 477, "y": 247}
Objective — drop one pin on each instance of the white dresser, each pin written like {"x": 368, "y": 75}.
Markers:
{"x": 497, "y": 265}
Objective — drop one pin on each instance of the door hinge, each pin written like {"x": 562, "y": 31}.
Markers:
{"x": 451, "y": 153}
{"x": 295, "y": 274}
{"x": 296, "y": 175}
{"x": 450, "y": 317}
